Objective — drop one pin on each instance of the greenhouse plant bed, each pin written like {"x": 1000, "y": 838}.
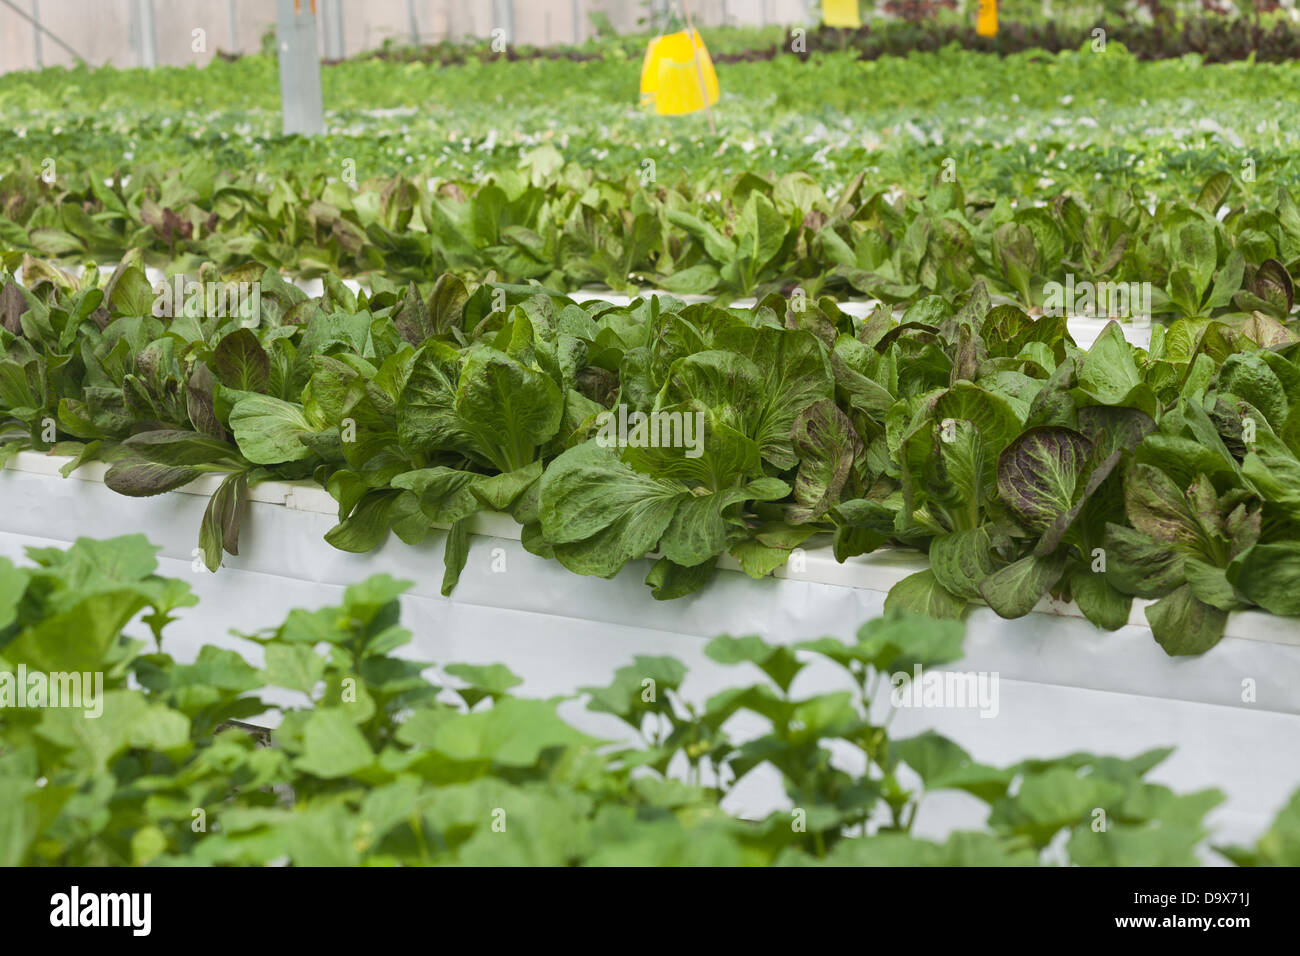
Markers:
{"x": 1083, "y": 329}
{"x": 1063, "y": 685}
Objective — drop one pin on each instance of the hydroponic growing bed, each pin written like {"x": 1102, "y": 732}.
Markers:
{"x": 986, "y": 430}
{"x": 1233, "y": 714}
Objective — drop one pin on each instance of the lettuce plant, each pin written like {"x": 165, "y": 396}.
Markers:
{"x": 1024, "y": 465}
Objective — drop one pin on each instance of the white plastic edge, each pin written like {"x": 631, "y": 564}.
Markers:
{"x": 878, "y": 571}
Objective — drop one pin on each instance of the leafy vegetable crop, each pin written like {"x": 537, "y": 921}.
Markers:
{"x": 1023, "y": 465}
{"x": 210, "y": 138}
{"x": 1217, "y": 39}
{"x": 978, "y": 198}
{"x": 370, "y": 762}
{"x": 566, "y": 228}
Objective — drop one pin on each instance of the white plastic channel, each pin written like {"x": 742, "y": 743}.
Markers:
{"x": 878, "y": 571}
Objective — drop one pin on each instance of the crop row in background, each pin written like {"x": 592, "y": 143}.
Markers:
{"x": 1013, "y": 126}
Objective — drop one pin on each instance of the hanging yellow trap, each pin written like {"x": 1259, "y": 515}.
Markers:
{"x": 677, "y": 73}
{"x": 986, "y": 23}
{"x": 841, "y": 13}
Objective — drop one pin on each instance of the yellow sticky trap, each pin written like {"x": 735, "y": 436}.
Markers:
{"x": 670, "y": 77}
{"x": 841, "y": 13}
{"x": 986, "y": 23}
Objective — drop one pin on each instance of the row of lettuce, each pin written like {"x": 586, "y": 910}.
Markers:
{"x": 1046, "y": 123}
{"x": 1213, "y": 38}
{"x": 154, "y": 761}
{"x": 1023, "y": 465}
{"x": 1226, "y": 249}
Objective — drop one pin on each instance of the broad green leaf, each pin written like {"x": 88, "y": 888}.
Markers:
{"x": 922, "y": 593}
{"x": 1109, "y": 371}
{"x": 333, "y": 747}
{"x": 902, "y": 639}
{"x": 1100, "y": 602}
{"x": 774, "y": 660}
{"x": 1015, "y": 590}
{"x": 961, "y": 561}
{"x": 600, "y": 513}
{"x": 269, "y": 431}
{"x": 513, "y": 733}
{"x": 1183, "y": 625}
{"x": 1269, "y": 575}
{"x": 295, "y": 666}
{"x": 483, "y": 680}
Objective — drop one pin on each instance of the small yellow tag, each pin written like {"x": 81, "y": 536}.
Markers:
{"x": 986, "y": 24}
{"x": 841, "y": 13}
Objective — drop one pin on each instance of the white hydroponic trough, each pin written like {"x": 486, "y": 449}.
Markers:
{"x": 1063, "y": 685}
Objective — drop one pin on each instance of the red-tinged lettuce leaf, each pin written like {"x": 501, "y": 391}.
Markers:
{"x": 219, "y": 530}
{"x": 1041, "y": 474}
{"x": 240, "y": 362}
{"x": 829, "y": 449}
{"x": 1139, "y": 565}
{"x": 1156, "y": 507}
{"x": 183, "y": 449}
{"x": 140, "y": 479}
